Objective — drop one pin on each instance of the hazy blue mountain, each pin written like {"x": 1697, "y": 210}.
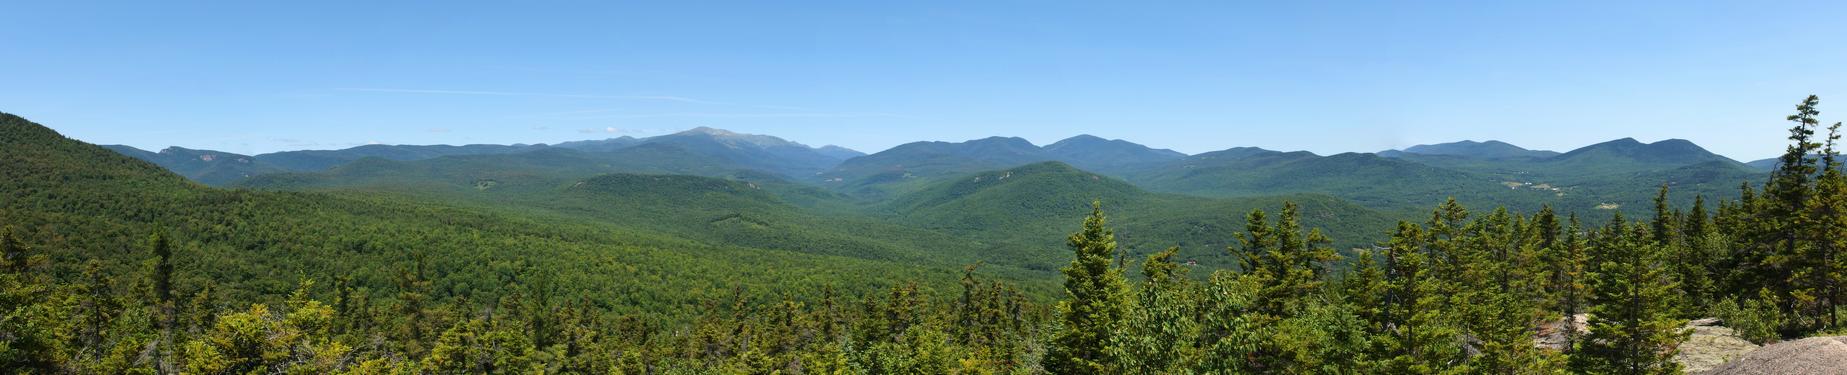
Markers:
{"x": 719, "y": 150}
{"x": 838, "y": 152}
{"x": 209, "y": 167}
{"x": 1628, "y": 155}
{"x": 1095, "y": 153}
{"x": 314, "y": 160}
{"x": 1767, "y": 165}
{"x": 1487, "y": 150}
{"x": 899, "y": 168}
{"x": 1764, "y": 164}
{"x": 908, "y": 163}
{"x": 761, "y": 152}
{"x": 599, "y": 145}
{"x": 1367, "y": 179}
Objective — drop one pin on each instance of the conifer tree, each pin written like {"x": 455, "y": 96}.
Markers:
{"x": 163, "y": 267}
{"x": 1286, "y": 263}
{"x": 1665, "y": 227}
{"x": 1096, "y": 304}
{"x": 1503, "y": 307}
{"x": 1821, "y": 280}
{"x": 1163, "y": 327}
{"x": 1419, "y": 336}
{"x": 1696, "y": 223}
{"x": 1633, "y": 329}
{"x": 1785, "y": 216}
{"x": 30, "y": 321}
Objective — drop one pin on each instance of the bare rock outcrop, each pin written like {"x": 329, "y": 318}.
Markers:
{"x": 1709, "y": 346}
{"x": 1814, "y": 355}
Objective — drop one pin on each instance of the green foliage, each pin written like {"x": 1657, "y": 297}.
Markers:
{"x": 1632, "y": 325}
{"x": 1162, "y": 329}
{"x": 514, "y": 264}
{"x": 1097, "y": 303}
{"x": 1753, "y": 319}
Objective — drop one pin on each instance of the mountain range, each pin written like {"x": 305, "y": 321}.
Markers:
{"x": 760, "y": 152}
{"x": 701, "y": 203}
{"x": 1617, "y": 173}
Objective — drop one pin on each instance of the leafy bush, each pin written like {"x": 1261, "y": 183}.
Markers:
{"x": 1754, "y": 320}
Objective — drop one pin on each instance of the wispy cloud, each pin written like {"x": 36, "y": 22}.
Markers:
{"x": 611, "y": 130}
{"x": 669, "y": 98}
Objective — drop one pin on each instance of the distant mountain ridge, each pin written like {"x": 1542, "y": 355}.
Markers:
{"x": 1417, "y": 176}
{"x": 205, "y": 166}
{"x": 1491, "y": 149}
{"x": 1630, "y": 155}
{"x": 763, "y": 152}
{"x": 935, "y": 158}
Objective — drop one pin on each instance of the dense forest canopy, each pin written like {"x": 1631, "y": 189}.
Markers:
{"x": 579, "y": 263}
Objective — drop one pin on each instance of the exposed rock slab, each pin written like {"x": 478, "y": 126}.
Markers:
{"x": 1814, "y": 355}
{"x": 1710, "y": 346}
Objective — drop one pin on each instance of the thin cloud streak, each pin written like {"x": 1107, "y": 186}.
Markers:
{"x": 669, "y": 98}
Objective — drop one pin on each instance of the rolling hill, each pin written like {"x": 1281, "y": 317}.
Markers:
{"x": 1367, "y": 179}
{"x": 1025, "y": 210}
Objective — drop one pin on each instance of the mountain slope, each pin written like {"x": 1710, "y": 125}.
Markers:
{"x": 86, "y": 203}
{"x": 315, "y": 160}
{"x": 1023, "y": 211}
{"x": 1629, "y": 155}
{"x": 872, "y": 174}
{"x": 205, "y": 166}
{"x": 760, "y": 152}
{"x": 1367, "y": 179}
{"x": 1094, "y": 153}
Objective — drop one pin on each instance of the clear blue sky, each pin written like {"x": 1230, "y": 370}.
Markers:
{"x": 1328, "y": 77}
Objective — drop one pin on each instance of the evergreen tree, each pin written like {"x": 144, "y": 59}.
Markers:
{"x": 1096, "y": 304}
{"x": 1418, "y": 335}
{"x": 1665, "y": 227}
{"x": 1286, "y": 263}
{"x": 1820, "y": 286}
{"x": 1785, "y": 216}
{"x": 1162, "y": 329}
{"x": 163, "y": 266}
{"x": 31, "y": 321}
{"x": 1632, "y": 326}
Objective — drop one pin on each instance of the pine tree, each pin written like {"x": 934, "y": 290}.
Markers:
{"x": 1418, "y": 335}
{"x": 1504, "y": 310}
{"x": 1696, "y": 223}
{"x": 1828, "y": 235}
{"x": 1287, "y": 263}
{"x": 1096, "y": 304}
{"x": 31, "y": 322}
{"x": 1665, "y": 227}
{"x": 1285, "y": 269}
{"x": 163, "y": 267}
{"x": 1785, "y": 217}
{"x": 1162, "y": 329}
{"x": 1633, "y": 328}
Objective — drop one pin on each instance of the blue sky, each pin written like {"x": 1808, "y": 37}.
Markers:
{"x": 1328, "y": 77}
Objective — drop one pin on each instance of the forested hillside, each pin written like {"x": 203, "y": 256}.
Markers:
{"x": 565, "y": 261}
